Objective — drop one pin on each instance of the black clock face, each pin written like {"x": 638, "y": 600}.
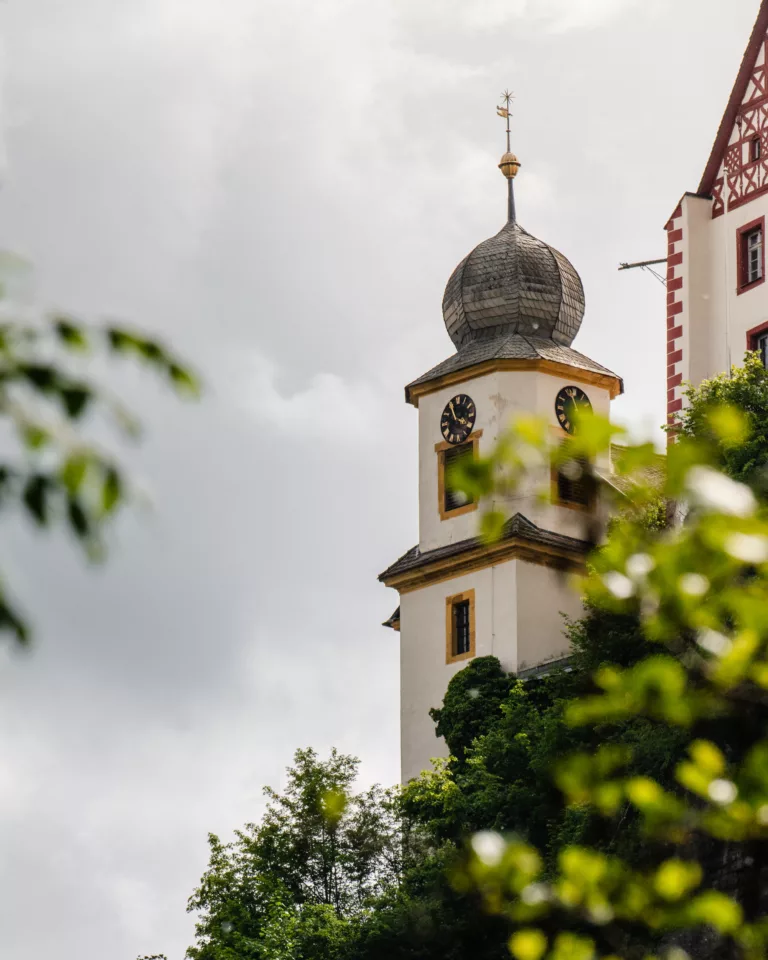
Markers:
{"x": 570, "y": 402}
{"x": 458, "y": 419}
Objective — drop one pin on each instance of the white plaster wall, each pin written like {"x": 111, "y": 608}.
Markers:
{"x": 745, "y": 311}
{"x": 498, "y": 398}
{"x": 424, "y": 674}
{"x": 518, "y": 619}
{"x": 543, "y": 596}
{"x": 715, "y": 338}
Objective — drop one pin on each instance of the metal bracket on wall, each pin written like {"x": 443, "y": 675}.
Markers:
{"x": 647, "y": 265}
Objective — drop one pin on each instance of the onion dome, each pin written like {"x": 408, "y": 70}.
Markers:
{"x": 513, "y": 284}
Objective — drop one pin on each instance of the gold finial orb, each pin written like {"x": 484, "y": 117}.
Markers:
{"x": 509, "y": 165}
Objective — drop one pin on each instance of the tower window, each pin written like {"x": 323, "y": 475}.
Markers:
{"x": 751, "y": 254}
{"x": 455, "y": 457}
{"x": 572, "y": 485}
{"x": 453, "y": 503}
{"x": 460, "y": 627}
{"x": 757, "y": 339}
{"x": 755, "y": 149}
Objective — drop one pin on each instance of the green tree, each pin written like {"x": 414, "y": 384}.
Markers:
{"x": 298, "y": 883}
{"x": 742, "y": 453}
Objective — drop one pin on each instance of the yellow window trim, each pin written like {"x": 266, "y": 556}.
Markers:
{"x": 555, "y": 491}
{"x": 450, "y": 602}
{"x": 440, "y": 450}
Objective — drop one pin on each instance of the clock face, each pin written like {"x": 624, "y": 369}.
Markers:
{"x": 458, "y": 419}
{"x": 569, "y": 403}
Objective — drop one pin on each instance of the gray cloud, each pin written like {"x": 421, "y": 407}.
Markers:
{"x": 282, "y": 189}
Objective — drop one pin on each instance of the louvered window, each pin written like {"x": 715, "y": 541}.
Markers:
{"x": 573, "y": 484}
{"x": 453, "y": 499}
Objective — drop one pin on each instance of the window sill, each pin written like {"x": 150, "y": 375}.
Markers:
{"x": 458, "y": 512}
{"x": 745, "y": 288}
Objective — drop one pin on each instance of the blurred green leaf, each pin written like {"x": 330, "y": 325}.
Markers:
{"x": 75, "y": 399}
{"x": 36, "y": 498}
{"x": 70, "y": 334}
{"x": 675, "y": 879}
{"x": 528, "y": 945}
{"x": 78, "y": 518}
{"x": 111, "y": 490}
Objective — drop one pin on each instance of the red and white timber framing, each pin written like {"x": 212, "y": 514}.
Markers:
{"x": 737, "y": 170}
{"x": 675, "y": 308}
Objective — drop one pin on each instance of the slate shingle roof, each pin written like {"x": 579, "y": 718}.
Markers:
{"x": 653, "y": 475}
{"x": 517, "y": 528}
{"x": 394, "y": 620}
{"x": 513, "y": 283}
{"x": 511, "y": 347}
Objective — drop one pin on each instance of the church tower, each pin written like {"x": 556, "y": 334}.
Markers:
{"x": 512, "y": 308}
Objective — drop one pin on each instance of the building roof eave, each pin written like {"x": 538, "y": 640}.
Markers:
{"x": 513, "y": 352}
{"x": 521, "y": 537}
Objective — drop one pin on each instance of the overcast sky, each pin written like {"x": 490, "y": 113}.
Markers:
{"x": 283, "y": 188}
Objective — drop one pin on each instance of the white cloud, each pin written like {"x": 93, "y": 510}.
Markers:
{"x": 328, "y": 407}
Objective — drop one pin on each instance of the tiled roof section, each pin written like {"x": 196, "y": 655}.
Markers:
{"x": 513, "y": 283}
{"x": 545, "y": 669}
{"x": 517, "y": 528}
{"x": 511, "y": 347}
{"x": 654, "y": 475}
{"x": 394, "y": 621}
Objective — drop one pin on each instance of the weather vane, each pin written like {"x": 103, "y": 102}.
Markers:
{"x": 509, "y": 163}
{"x": 507, "y": 97}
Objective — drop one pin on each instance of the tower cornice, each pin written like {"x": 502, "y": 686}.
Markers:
{"x": 422, "y": 387}
{"x": 522, "y": 540}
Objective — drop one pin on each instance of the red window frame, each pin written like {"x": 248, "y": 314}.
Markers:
{"x": 741, "y": 259}
{"x": 753, "y": 335}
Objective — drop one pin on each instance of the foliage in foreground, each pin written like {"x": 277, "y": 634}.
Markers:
{"x": 52, "y": 471}
{"x": 699, "y": 592}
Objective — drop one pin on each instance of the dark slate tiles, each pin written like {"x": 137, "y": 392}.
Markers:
{"x": 518, "y": 527}
{"x": 510, "y": 347}
{"x": 513, "y": 283}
